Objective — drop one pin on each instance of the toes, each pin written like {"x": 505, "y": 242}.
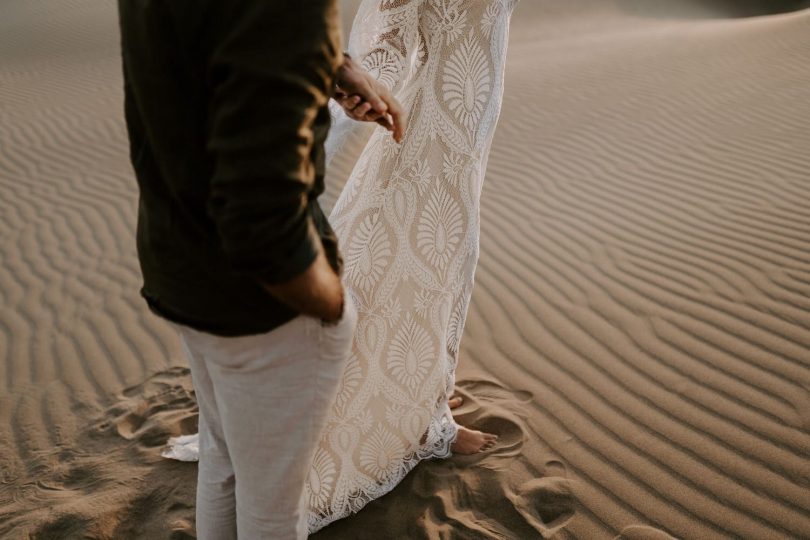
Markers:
{"x": 486, "y": 447}
{"x": 489, "y": 441}
{"x": 455, "y": 402}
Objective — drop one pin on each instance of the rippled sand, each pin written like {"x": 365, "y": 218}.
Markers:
{"x": 640, "y": 327}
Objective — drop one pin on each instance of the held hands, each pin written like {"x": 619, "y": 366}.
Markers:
{"x": 365, "y": 99}
{"x": 318, "y": 292}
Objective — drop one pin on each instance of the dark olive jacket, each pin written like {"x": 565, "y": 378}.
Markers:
{"x": 226, "y": 108}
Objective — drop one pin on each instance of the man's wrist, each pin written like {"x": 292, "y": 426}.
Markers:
{"x": 348, "y": 63}
{"x": 341, "y": 309}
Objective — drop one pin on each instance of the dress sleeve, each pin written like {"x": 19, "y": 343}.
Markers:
{"x": 387, "y": 41}
{"x": 270, "y": 73}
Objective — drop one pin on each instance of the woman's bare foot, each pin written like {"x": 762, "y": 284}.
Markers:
{"x": 469, "y": 441}
{"x": 455, "y": 402}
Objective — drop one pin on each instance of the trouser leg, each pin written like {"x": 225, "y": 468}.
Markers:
{"x": 216, "y": 496}
{"x": 272, "y": 395}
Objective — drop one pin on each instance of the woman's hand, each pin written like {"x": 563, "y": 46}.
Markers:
{"x": 364, "y": 99}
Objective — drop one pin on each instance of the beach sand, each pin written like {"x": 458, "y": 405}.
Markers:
{"x": 640, "y": 328}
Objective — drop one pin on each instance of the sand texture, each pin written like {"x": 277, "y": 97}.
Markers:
{"x": 640, "y": 329}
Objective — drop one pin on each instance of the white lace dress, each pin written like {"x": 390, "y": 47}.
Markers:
{"x": 408, "y": 225}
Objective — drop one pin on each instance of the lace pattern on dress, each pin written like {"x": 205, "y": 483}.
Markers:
{"x": 408, "y": 225}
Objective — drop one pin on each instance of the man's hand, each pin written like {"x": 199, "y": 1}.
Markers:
{"x": 317, "y": 292}
{"x": 366, "y": 100}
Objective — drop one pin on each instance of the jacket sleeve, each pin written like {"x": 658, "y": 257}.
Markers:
{"x": 270, "y": 70}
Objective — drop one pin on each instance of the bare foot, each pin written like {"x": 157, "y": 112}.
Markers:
{"x": 455, "y": 402}
{"x": 470, "y": 441}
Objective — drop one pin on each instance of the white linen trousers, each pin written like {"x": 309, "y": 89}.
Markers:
{"x": 263, "y": 401}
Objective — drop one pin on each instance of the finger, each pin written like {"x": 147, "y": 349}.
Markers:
{"x": 398, "y": 119}
{"x": 357, "y": 115}
{"x": 378, "y": 104}
{"x": 372, "y": 116}
{"x": 361, "y": 114}
{"x": 363, "y": 109}
{"x": 397, "y": 114}
{"x": 371, "y": 93}
{"x": 385, "y": 121}
{"x": 349, "y": 102}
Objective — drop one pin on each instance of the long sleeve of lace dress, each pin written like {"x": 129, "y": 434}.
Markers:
{"x": 387, "y": 41}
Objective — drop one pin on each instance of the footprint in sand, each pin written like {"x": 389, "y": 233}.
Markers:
{"x": 149, "y": 413}
{"x": 491, "y": 391}
{"x": 492, "y": 408}
{"x": 511, "y": 435}
{"x": 547, "y": 504}
{"x": 182, "y": 529}
{"x": 117, "y": 460}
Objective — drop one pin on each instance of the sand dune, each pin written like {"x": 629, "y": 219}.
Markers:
{"x": 640, "y": 328}
{"x": 652, "y": 270}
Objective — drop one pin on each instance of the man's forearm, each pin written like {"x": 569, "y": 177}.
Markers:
{"x": 316, "y": 292}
